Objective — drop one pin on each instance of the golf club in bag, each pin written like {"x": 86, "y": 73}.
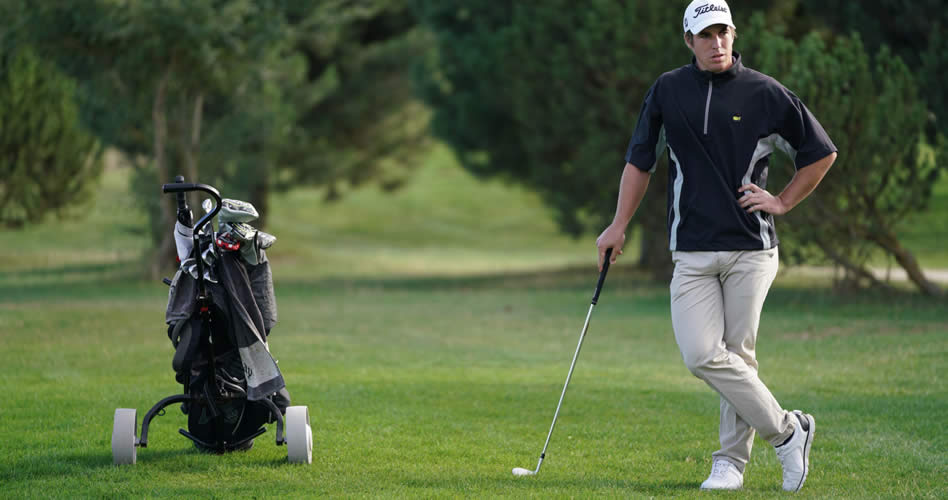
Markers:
{"x": 520, "y": 471}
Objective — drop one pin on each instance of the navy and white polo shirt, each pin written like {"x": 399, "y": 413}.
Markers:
{"x": 720, "y": 129}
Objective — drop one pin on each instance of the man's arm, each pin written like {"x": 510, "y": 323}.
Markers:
{"x": 631, "y": 191}
{"x": 803, "y": 183}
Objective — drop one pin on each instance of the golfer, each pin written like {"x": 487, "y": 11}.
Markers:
{"x": 721, "y": 121}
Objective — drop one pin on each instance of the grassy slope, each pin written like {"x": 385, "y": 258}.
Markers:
{"x": 442, "y": 222}
{"x": 430, "y": 339}
{"x": 926, "y": 234}
{"x": 107, "y": 230}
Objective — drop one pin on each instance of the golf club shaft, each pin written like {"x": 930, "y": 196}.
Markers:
{"x": 579, "y": 346}
{"x": 568, "y": 377}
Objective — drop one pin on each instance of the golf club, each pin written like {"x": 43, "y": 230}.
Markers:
{"x": 520, "y": 471}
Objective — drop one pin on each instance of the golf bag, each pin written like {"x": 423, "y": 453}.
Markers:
{"x": 221, "y": 308}
{"x": 220, "y": 312}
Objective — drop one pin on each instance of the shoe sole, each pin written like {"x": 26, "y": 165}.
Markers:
{"x": 806, "y": 447}
{"x": 741, "y": 487}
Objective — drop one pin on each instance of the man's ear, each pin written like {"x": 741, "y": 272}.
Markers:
{"x": 688, "y": 41}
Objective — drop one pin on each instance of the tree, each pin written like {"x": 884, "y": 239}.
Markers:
{"x": 359, "y": 119}
{"x": 871, "y": 107}
{"x": 156, "y": 76}
{"x": 260, "y": 93}
{"x": 913, "y": 30}
{"x": 546, "y": 94}
{"x": 47, "y": 160}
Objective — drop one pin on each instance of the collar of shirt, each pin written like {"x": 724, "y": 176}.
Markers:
{"x": 736, "y": 67}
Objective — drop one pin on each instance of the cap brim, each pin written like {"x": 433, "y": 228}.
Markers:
{"x": 711, "y": 21}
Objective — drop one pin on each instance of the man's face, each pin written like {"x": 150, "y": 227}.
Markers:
{"x": 713, "y": 47}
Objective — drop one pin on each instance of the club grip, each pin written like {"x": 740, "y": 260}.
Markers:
{"x": 602, "y": 275}
{"x": 179, "y": 196}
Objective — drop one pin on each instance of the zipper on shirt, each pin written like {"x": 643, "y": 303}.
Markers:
{"x": 707, "y": 108}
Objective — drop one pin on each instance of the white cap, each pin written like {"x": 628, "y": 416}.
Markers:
{"x": 703, "y": 13}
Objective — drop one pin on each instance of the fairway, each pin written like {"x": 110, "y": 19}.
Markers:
{"x": 436, "y": 380}
{"x": 434, "y": 388}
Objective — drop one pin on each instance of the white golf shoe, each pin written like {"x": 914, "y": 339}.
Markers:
{"x": 724, "y": 476}
{"x": 794, "y": 455}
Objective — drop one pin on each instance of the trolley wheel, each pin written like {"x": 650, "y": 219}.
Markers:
{"x": 299, "y": 435}
{"x": 123, "y": 436}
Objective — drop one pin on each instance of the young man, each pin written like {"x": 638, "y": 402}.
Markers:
{"x": 721, "y": 121}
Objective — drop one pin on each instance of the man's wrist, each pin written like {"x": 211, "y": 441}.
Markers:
{"x": 783, "y": 203}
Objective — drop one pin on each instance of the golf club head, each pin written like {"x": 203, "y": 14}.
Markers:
{"x": 520, "y": 471}
{"x": 266, "y": 240}
{"x": 243, "y": 231}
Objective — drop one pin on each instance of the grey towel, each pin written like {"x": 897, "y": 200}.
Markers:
{"x": 246, "y": 297}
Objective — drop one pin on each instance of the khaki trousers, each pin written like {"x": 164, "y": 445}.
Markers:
{"x": 716, "y": 300}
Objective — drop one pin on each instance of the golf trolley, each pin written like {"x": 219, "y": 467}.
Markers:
{"x": 232, "y": 386}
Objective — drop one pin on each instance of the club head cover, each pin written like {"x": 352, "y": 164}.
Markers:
{"x": 237, "y": 211}
{"x": 250, "y": 252}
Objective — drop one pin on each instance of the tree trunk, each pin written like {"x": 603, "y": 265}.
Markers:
{"x": 191, "y": 150}
{"x": 655, "y": 257}
{"x": 904, "y": 257}
{"x": 260, "y": 197}
{"x": 851, "y": 267}
{"x": 166, "y": 251}
{"x": 651, "y": 215}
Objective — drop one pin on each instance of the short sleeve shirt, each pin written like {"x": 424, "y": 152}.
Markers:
{"x": 720, "y": 130}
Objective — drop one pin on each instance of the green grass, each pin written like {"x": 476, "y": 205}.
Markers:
{"x": 926, "y": 234}
{"x": 430, "y": 333}
{"x": 437, "y": 388}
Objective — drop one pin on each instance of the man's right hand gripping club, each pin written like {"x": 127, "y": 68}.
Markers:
{"x": 612, "y": 237}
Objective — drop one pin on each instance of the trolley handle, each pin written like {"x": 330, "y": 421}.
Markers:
{"x": 184, "y": 187}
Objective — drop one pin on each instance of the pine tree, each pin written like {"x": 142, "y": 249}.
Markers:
{"x": 547, "y": 94}
{"x": 47, "y": 160}
{"x": 871, "y": 107}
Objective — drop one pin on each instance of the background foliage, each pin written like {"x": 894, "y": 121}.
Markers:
{"x": 359, "y": 120}
{"x": 545, "y": 95}
{"x": 48, "y": 160}
{"x": 256, "y": 96}
{"x": 913, "y": 30}
{"x": 877, "y": 119}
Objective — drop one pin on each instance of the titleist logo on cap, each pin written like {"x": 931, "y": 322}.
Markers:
{"x": 704, "y": 9}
